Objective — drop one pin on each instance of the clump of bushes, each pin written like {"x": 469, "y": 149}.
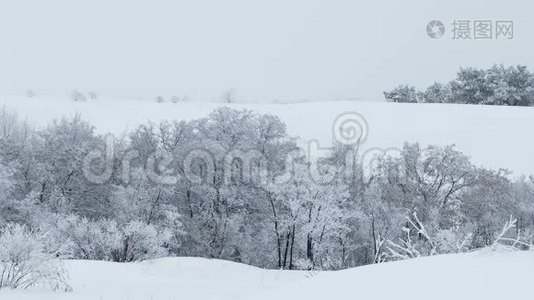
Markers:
{"x": 499, "y": 85}
{"x": 25, "y": 263}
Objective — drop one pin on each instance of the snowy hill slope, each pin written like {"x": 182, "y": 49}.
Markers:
{"x": 496, "y": 137}
{"x": 165, "y": 279}
{"x": 481, "y": 275}
{"x": 484, "y": 275}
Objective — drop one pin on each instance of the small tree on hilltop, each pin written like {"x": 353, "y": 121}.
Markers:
{"x": 30, "y": 93}
{"x": 229, "y": 96}
{"x": 77, "y": 96}
{"x": 403, "y": 94}
{"x": 93, "y": 95}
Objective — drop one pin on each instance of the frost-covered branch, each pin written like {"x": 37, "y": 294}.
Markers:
{"x": 517, "y": 242}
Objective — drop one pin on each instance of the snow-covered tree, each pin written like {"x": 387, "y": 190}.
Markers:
{"x": 92, "y": 95}
{"x": 140, "y": 241}
{"x": 437, "y": 93}
{"x": 30, "y": 93}
{"x": 78, "y": 96}
{"x": 308, "y": 218}
{"x": 404, "y": 94}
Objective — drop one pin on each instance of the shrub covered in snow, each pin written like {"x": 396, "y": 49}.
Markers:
{"x": 77, "y": 96}
{"x": 139, "y": 242}
{"x": 24, "y": 263}
{"x": 92, "y": 240}
{"x": 30, "y": 93}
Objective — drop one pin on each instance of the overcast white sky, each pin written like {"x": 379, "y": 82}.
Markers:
{"x": 265, "y": 50}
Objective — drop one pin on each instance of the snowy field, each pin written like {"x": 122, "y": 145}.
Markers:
{"x": 484, "y": 275}
{"x": 493, "y": 136}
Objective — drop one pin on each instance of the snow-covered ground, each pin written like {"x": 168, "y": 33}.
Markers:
{"x": 481, "y": 275}
{"x": 493, "y": 136}
{"x": 484, "y": 275}
{"x": 165, "y": 279}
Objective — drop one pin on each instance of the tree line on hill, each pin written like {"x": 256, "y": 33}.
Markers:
{"x": 498, "y": 85}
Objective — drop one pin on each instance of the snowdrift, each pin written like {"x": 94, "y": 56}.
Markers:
{"x": 484, "y": 275}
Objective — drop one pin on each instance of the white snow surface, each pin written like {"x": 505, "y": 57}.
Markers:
{"x": 485, "y": 274}
{"x": 493, "y": 136}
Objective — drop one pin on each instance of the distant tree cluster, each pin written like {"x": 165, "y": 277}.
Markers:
{"x": 30, "y": 93}
{"x": 295, "y": 224}
{"x": 78, "y": 96}
{"x": 172, "y": 99}
{"x": 499, "y": 85}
